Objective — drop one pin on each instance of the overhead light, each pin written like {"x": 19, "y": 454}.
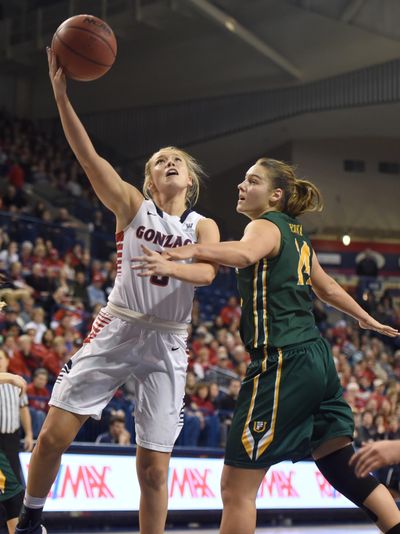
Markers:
{"x": 230, "y": 25}
{"x": 346, "y": 240}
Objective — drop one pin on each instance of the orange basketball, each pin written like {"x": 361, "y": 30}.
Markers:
{"x": 85, "y": 47}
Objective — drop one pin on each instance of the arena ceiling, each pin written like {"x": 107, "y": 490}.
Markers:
{"x": 216, "y": 47}
{"x": 183, "y": 50}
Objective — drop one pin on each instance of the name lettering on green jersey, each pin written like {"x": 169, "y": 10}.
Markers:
{"x": 303, "y": 267}
{"x": 296, "y": 228}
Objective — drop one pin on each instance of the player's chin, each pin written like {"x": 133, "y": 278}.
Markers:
{"x": 239, "y": 207}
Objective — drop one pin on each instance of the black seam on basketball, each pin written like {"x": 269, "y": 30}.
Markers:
{"x": 89, "y": 31}
{"x": 82, "y": 55}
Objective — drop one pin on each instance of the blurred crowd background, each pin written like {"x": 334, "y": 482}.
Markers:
{"x": 316, "y": 84}
{"x": 55, "y": 282}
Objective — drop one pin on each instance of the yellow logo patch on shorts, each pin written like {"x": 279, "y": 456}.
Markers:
{"x": 259, "y": 426}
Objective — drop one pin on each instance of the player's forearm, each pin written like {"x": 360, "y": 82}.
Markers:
{"x": 74, "y": 131}
{"x": 26, "y": 421}
{"x": 5, "y": 378}
{"x": 336, "y": 296}
{"x": 198, "y": 274}
{"x": 230, "y": 253}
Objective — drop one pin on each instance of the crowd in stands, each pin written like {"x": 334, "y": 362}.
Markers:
{"x": 53, "y": 288}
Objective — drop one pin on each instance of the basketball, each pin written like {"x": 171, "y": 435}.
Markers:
{"x": 85, "y": 46}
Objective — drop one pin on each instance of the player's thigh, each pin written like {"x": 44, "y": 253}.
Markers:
{"x": 333, "y": 420}
{"x": 160, "y": 393}
{"x": 89, "y": 380}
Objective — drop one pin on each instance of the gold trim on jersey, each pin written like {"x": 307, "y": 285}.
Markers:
{"x": 3, "y": 480}
{"x": 265, "y": 322}
{"x": 255, "y": 311}
{"x": 267, "y": 439}
{"x": 264, "y": 301}
{"x": 247, "y": 436}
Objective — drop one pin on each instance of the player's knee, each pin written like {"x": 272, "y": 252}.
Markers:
{"x": 152, "y": 477}
{"x": 230, "y": 496}
{"x": 336, "y": 469}
{"x": 50, "y": 442}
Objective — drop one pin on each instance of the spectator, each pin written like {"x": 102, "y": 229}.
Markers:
{"x": 366, "y": 432}
{"x": 38, "y": 323}
{"x": 56, "y": 357}
{"x": 223, "y": 361}
{"x": 95, "y": 291}
{"x": 38, "y": 398}
{"x": 25, "y": 362}
{"x": 203, "y": 408}
{"x": 79, "y": 288}
{"x": 227, "y": 404}
{"x": 231, "y": 311}
{"x": 117, "y": 432}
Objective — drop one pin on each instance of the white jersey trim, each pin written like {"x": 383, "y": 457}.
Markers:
{"x": 146, "y": 320}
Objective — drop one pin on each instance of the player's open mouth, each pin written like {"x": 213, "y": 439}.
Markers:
{"x": 172, "y": 172}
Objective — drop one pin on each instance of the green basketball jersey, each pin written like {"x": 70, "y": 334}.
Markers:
{"x": 276, "y": 292}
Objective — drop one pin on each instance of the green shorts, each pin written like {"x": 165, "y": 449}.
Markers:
{"x": 290, "y": 402}
{"x": 9, "y": 485}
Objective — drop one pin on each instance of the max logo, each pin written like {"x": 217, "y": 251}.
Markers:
{"x": 259, "y": 426}
{"x": 84, "y": 481}
{"x": 192, "y": 482}
{"x": 278, "y": 483}
{"x": 326, "y": 489}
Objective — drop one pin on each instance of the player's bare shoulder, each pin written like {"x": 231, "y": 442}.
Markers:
{"x": 207, "y": 231}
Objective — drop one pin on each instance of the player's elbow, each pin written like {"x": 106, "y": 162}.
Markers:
{"x": 326, "y": 292}
{"x": 246, "y": 258}
{"x": 208, "y": 275}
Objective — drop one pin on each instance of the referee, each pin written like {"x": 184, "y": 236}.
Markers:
{"x": 14, "y": 412}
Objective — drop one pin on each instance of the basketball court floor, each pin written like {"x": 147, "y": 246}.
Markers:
{"x": 322, "y": 529}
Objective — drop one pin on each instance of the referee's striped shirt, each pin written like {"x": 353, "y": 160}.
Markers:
{"x": 10, "y": 404}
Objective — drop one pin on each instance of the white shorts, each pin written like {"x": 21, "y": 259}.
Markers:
{"x": 119, "y": 349}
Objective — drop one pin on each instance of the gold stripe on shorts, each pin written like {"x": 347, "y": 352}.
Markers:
{"x": 268, "y": 437}
{"x": 247, "y": 436}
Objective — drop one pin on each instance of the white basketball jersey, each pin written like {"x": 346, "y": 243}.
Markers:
{"x": 161, "y": 296}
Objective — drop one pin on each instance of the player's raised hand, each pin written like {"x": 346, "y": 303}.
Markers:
{"x": 57, "y": 76}
{"x": 372, "y": 324}
{"x": 151, "y": 263}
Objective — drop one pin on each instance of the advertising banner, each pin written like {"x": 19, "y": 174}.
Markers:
{"x": 89, "y": 482}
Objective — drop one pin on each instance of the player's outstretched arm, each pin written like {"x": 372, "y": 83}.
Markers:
{"x": 374, "y": 455}
{"x": 14, "y": 380}
{"x": 261, "y": 238}
{"x": 329, "y": 291}
{"x": 121, "y": 198}
{"x": 200, "y": 273}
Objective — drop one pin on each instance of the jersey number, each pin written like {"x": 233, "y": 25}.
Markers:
{"x": 159, "y": 280}
{"x": 303, "y": 267}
